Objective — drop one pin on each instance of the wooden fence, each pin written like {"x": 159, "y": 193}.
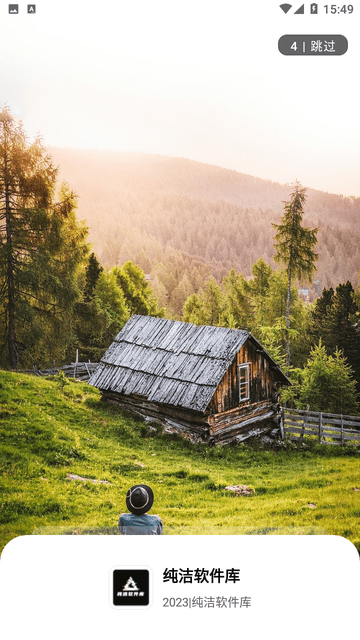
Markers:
{"x": 328, "y": 428}
{"x": 78, "y": 370}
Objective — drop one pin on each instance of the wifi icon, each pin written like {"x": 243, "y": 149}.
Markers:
{"x": 285, "y": 7}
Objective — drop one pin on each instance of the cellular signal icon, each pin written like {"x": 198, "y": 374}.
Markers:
{"x": 285, "y": 7}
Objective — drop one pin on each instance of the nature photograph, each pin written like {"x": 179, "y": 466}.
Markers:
{"x": 179, "y": 274}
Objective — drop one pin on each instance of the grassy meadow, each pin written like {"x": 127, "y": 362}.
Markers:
{"x": 51, "y": 428}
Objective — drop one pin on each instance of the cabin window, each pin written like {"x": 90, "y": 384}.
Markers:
{"x": 244, "y": 382}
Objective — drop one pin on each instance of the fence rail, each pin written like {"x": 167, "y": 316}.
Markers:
{"x": 328, "y": 428}
{"x": 78, "y": 370}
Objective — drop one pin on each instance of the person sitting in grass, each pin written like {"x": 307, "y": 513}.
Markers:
{"x": 139, "y": 500}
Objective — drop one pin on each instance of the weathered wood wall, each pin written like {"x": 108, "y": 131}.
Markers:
{"x": 235, "y": 424}
{"x": 262, "y": 378}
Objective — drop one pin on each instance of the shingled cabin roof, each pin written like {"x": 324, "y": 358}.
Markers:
{"x": 171, "y": 362}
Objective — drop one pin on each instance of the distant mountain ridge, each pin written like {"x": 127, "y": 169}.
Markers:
{"x": 143, "y": 204}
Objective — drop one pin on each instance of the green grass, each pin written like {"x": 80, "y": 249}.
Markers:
{"x": 48, "y": 432}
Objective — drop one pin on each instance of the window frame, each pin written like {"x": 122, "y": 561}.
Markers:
{"x": 245, "y": 367}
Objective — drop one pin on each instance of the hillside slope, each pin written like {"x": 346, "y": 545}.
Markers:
{"x": 48, "y": 433}
{"x": 139, "y": 206}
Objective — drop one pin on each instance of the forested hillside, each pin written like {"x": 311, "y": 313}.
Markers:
{"x": 177, "y": 239}
{"x": 142, "y": 207}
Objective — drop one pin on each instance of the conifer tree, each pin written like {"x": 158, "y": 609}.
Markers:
{"x": 138, "y": 294}
{"x": 205, "y": 307}
{"x": 335, "y": 320}
{"x": 320, "y": 314}
{"x": 342, "y": 330}
{"x": 328, "y": 383}
{"x": 89, "y": 319}
{"x": 92, "y": 273}
{"x": 192, "y": 310}
{"x": 239, "y": 309}
{"x": 294, "y": 246}
{"x": 260, "y": 289}
{"x": 41, "y": 248}
{"x": 112, "y": 312}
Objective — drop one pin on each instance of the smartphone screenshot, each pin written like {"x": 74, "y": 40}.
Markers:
{"x": 179, "y": 319}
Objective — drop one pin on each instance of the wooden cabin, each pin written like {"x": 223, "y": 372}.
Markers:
{"x": 209, "y": 383}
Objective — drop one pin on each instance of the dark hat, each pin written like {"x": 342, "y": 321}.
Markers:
{"x": 139, "y": 499}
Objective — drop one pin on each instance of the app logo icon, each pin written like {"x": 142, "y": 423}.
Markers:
{"x": 31, "y": 8}
{"x": 131, "y": 587}
{"x": 13, "y": 8}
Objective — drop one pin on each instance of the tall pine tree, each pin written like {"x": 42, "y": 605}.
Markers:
{"x": 294, "y": 246}
{"x": 41, "y": 248}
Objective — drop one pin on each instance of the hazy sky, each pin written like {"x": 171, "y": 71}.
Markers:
{"x": 197, "y": 79}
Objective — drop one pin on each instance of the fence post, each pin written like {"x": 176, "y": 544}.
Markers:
{"x": 320, "y": 426}
{"x": 282, "y": 432}
{"x": 305, "y": 419}
{"x": 76, "y": 362}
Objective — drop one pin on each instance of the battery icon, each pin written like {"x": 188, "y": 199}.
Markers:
{"x": 313, "y": 8}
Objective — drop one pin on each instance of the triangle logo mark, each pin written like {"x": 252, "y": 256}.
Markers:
{"x": 130, "y": 585}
